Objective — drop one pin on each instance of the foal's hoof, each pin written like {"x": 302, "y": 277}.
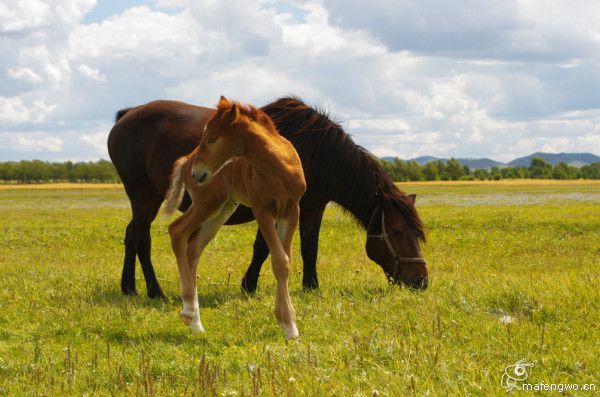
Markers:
{"x": 290, "y": 331}
{"x": 193, "y": 322}
{"x": 187, "y": 319}
{"x": 197, "y": 327}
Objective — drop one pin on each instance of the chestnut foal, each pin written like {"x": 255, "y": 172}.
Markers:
{"x": 241, "y": 159}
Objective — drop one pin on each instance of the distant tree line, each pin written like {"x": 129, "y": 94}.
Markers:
{"x": 36, "y": 171}
{"x": 452, "y": 170}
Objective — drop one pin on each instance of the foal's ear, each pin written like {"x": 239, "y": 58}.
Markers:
{"x": 412, "y": 198}
{"x": 232, "y": 114}
{"x": 223, "y": 102}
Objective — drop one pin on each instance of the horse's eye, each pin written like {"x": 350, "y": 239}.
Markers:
{"x": 397, "y": 232}
{"x": 211, "y": 140}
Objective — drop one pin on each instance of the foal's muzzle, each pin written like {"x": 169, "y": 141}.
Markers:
{"x": 199, "y": 177}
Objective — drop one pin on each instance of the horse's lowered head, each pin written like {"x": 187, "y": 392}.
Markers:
{"x": 393, "y": 236}
{"x": 225, "y": 137}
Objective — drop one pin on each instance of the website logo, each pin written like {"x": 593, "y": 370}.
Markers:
{"x": 514, "y": 375}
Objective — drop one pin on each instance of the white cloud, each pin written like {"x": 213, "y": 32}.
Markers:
{"x": 139, "y": 32}
{"x": 92, "y": 73}
{"x": 97, "y": 140}
{"x": 12, "y": 110}
{"x": 21, "y": 15}
{"x": 25, "y": 74}
{"x": 457, "y": 78}
{"x": 380, "y": 124}
{"x": 51, "y": 144}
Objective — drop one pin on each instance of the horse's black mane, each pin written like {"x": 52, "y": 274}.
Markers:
{"x": 121, "y": 113}
{"x": 351, "y": 174}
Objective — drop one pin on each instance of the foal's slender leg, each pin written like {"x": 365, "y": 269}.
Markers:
{"x": 284, "y": 310}
{"x": 181, "y": 231}
{"x": 196, "y": 244}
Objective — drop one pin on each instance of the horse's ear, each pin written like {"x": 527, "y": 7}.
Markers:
{"x": 223, "y": 102}
{"x": 232, "y": 114}
{"x": 412, "y": 198}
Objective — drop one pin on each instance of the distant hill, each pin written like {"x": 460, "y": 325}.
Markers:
{"x": 574, "y": 159}
{"x": 426, "y": 159}
{"x": 472, "y": 163}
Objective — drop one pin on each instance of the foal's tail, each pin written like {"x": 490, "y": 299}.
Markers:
{"x": 176, "y": 188}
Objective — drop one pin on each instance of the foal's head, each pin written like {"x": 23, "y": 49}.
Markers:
{"x": 393, "y": 236}
{"x": 226, "y": 136}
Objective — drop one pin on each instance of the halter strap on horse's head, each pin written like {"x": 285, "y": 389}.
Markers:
{"x": 384, "y": 236}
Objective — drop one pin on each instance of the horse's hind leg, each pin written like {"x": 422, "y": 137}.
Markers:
{"x": 145, "y": 215}
{"x": 310, "y": 226}
{"x": 128, "y": 275}
{"x": 145, "y": 203}
{"x": 259, "y": 255}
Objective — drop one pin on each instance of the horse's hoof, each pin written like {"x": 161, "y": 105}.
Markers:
{"x": 290, "y": 331}
{"x": 128, "y": 291}
{"x": 248, "y": 287}
{"x": 157, "y": 293}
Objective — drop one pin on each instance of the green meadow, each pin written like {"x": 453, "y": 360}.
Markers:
{"x": 514, "y": 274}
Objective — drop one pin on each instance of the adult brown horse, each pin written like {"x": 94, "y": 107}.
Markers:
{"x": 146, "y": 141}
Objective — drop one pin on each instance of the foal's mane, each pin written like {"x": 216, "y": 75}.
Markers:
{"x": 251, "y": 112}
{"x": 352, "y": 174}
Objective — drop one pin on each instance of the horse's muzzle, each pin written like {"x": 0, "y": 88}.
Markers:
{"x": 419, "y": 283}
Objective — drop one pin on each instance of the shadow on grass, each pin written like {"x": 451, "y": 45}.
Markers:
{"x": 209, "y": 297}
{"x": 122, "y": 337}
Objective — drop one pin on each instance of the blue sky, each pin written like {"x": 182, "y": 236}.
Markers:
{"x": 445, "y": 78}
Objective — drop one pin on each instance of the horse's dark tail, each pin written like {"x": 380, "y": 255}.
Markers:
{"x": 121, "y": 113}
{"x": 176, "y": 188}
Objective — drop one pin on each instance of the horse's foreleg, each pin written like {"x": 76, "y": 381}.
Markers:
{"x": 284, "y": 310}
{"x": 260, "y": 253}
{"x": 310, "y": 226}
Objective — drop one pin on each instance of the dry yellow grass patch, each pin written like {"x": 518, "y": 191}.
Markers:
{"x": 62, "y": 186}
{"x": 509, "y": 182}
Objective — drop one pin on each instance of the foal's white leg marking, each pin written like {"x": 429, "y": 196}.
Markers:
{"x": 284, "y": 234}
{"x": 282, "y": 230}
{"x": 291, "y": 331}
{"x": 190, "y": 314}
{"x": 196, "y": 325}
{"x": 282, "y": 227}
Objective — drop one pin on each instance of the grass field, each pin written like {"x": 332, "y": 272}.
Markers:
{"x": 514, "y": 273}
